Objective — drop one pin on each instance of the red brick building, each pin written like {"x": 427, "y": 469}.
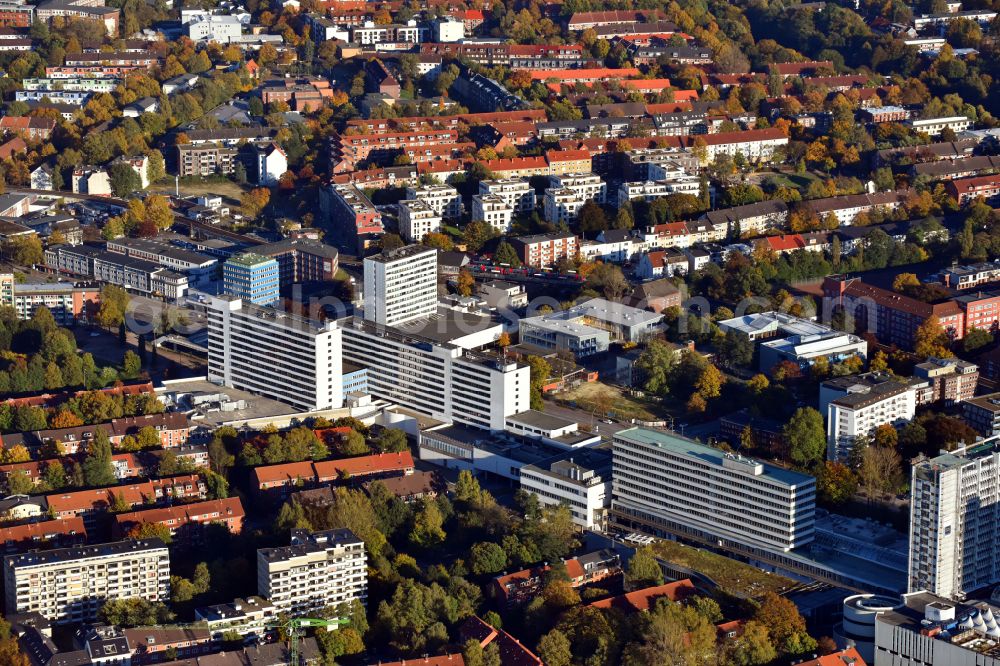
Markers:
{"x": 185, "y": 521}
{"x": 892, "y": 318}
{"x": 966, "y": 190}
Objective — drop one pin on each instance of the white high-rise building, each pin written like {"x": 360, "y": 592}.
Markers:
{"x": 318, "y": 570}
{"x": 493, "y": 210}
{"x": 444, "y": 199}
{"x": 69, "y": 585}
{"x": 401, "y": 285}
{"x": 429, "y": 369}
{"x": 666, "y": 484}
{"x": 417, "y": 219}
{"x": 954, "y": 516}
{"x": 280, "y": 355}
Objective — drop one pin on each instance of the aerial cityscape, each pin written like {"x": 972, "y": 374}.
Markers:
{"x": 499, "y": 333}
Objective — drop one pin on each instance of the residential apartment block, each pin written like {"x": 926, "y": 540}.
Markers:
{"x": 665, "y": 484}
{"x": 69, "y": 585}
{"x": 545, "y": 250}
{"x": 954, "y": 513}
{"x": 444, "y": 200}
{"x": 426, "y": 369}
{"x": 494, "y": 210}
{"x": 400, "y": 285}
{"x": 983, "y": 414}
{"x": 355, "y": 216}
{"x": 186, "y": 521}
{"x": 318, "y": 570}
{"x": 856, "y": 406}
{"x": 416, "y": 220}
{"x": 279, "y": 355}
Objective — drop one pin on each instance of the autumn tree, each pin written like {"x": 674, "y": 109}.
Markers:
{"x": 252, "y": 203}
{"x": 785, "y": 625}
{"x": 466, "y": 283}
{"x": 932, "y": 340}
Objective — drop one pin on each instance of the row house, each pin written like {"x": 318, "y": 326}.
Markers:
{"x": 949, "y": 169}
{"x": 28, "y": 127}
{"x": 664, "y": 29}
{"x": 968, "y": 190}
{"x": 753, "y": 219}
{"x": 186, "y": 522}
{"x": 584, "y": 20}
{"x": 379, "y": 178}
{"x": 282, "y": 477}
{"x": 661, "y": 263}
{"x": 354, "y": 148}
{"x": 126, "y": 466}
{"x": 849, "y": 206}
{"x": 60, "y": 533}
{"x": 174, "y": 429}
{"x": 414, "y": 123}
{"x": 88, "y": 504}
{"x": 151, "y": 645}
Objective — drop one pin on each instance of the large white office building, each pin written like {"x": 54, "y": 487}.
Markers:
{"x": 417, "y": 219}
{"x": 665, "y": 484}
{"x": 954, "y": 517}
{"x": 428, "y": 367}
{"x": 318, "y": 570}
{"x": 280, "y": 355}
{"x": 69, "y": 585}
{"x": 400, "y": 285}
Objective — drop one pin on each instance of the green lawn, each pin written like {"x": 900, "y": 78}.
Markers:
{"x": 799, "y": 181}
{"x": 733, "y": 577}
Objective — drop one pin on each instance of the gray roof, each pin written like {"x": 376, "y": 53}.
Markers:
{"x": 689, "y": 448}
{"x": 538, "y": 419}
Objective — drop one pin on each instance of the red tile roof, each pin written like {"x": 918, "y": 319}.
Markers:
{"x": 593, "y": 74}
{"x": 379, "y": 463}
{"x": 644, "y": 599}
{"x": 183, "y": 514}
{"x": 567, "y": 155}
{"x": 284, "y": 473}
{"x": 512, "y": 653}
{"x": 43, "y": 531}
{"x": 848, "y": 657}
{"x": 516, "y": 164}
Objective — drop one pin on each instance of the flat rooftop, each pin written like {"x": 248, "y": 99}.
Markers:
{"x": 682, "y": 446}
{"x": 401, "y": 253}
{"x": 541, "y": 420}
{"x": 258, "y": 407}
{"x": 81, "y": 552}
